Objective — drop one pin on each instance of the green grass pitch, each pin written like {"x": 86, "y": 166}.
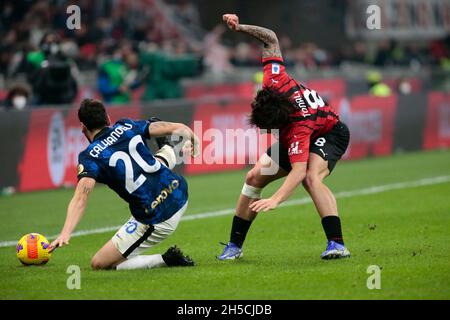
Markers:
{"x": 405, "y": 231}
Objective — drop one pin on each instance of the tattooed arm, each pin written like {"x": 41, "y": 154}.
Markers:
{"x": 75, "y": 211}
{"x": 267, "y": 36}
{"x": 164, "y": 128}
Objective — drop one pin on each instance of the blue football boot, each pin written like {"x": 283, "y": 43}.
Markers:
{"x": 231, "y": 252}
{"x": 335, "y": 251}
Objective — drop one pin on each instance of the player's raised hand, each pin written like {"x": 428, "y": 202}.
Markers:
{"x": 58, "y": 243}
{"x": 190, "y": 149}
{"x": 232, "y": 21}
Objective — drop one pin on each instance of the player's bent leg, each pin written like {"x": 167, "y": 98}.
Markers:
{"x": 255, "y": 181}
{"x": 107, "y": 257}
{"x": 322, "y": 197}
{"x": 134, "y": 237}
{"x": 326, "y": 206}
{"x": 171, "y": 258}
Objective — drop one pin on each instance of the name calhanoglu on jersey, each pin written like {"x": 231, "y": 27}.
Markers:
{"x": 109, "y": 140}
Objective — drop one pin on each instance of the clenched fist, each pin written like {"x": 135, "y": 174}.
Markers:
{"x": 232, "y": 21}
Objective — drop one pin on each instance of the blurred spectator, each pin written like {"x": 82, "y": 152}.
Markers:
{"x": 258, "y": 78}
{"x": 244, "y": 55}
{"x": 217, "y": 56}
{"x": 51, "y": 73}
{"x": 440, "y": 52}
{"x": 187, "y": 12}
{"x": 382, "y": 57}
{"x": 118, "y": 76}
{"x": 288, "y": 50}
{"x": 310, "y": 56}
{"x": 404, "y": 87}
{"x": 105, "y": 24}
{"x": 359, "y": 53}
{"x": 376, "y": 86}
{"x": 18, "y": 97}
{"x": 165, "y": 72}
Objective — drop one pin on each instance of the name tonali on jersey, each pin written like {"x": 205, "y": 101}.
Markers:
{"x": 312, "y": 111}
{"x": 312, "y": 108}
{"x": 300, "y": 103}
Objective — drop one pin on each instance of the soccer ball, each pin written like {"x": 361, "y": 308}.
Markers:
{"x": 32, "y": 248}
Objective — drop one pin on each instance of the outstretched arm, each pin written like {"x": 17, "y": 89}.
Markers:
{"x": 75, "y": 211}
{"x": 267, "y": 36}
{"x": 294, "y": 178}
{"x": 165, "y": 128}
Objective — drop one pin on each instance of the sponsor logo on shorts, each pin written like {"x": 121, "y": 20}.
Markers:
{"x": 293, "y": 149}
{"x": 165, "y": 193}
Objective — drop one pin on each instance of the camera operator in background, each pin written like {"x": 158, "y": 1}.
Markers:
{"x": 51, "y": 73}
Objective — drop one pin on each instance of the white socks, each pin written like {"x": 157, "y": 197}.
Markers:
{"x": 142, "y": 262}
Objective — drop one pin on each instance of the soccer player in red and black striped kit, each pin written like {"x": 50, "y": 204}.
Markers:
{"x": 311, "y": 141}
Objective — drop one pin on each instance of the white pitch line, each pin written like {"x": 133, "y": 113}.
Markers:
{"x": 293, "y": 202}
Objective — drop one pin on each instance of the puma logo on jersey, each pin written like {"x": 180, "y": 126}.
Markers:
{"x": 293, "y": 149}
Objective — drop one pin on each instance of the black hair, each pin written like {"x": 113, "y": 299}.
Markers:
{"x": 92, "y": 114}
{"x": 271, "y": 109}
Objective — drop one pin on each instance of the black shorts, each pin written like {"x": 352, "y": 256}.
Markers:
{"x": 330, "y": 147}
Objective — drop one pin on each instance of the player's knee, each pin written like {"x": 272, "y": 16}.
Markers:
{"x": 254, "y": 179}
{"x": 251, "y": 187}
{"x": 98, "y": 264}
{"x": 312, "y": 179}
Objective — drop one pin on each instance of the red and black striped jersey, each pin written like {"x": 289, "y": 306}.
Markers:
{"x": 313, "y": 116}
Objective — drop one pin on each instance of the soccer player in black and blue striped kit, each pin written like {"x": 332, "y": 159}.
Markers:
{"x": 119, "y": 157}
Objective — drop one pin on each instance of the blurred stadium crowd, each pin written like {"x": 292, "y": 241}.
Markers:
{"x": 152, "y": 44}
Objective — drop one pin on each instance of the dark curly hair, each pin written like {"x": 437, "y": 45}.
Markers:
{"x": 92, "y": 114}
{"x": 271, "y": 109}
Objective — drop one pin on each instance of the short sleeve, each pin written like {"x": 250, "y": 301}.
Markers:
{"x": 274, "y": 73}
{"x": 138, "y": 126}
{"x": 142, "y": 127}
{"x": 87, "y": 167}
{"x": 298, "y": 145}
